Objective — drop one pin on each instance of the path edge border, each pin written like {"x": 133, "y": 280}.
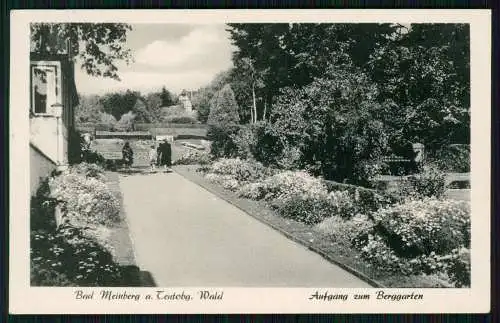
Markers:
{"x": 290, "y": 236}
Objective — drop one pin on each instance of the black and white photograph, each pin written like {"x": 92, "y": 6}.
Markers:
{"x": 190, "y": 157}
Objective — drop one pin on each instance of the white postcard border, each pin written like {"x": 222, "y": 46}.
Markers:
{"x": 24, "y": 299}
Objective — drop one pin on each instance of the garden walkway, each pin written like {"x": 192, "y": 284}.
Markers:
{"x": 185, "y": 236}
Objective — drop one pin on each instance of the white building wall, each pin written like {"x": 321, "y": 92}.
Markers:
{"x": 44, "y": 135}
{"x": 40, "y": 167}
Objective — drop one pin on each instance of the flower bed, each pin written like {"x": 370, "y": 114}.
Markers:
{"x": 234, "y": 173}
{"x": 192, "y": 157}
{"x": 76, "y": 252}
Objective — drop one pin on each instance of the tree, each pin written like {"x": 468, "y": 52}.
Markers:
{"x": 265, "y": 46}
{"x": 153, "y": 103}
{"x": 126, "y": 122}
{"x": 223, "y": 122}
{"x": 119, "y": 103}
{"x": 201, "y": 102}
{"x": 97, "y": 45}
{"x": 108, "y": 121}
{"x": 89, "y": 109}
{"x": 202, "y": 98}
{"x": 166, "y": 98}
{"x": 332, "y": 125}
{"x": 424, "y": 76}
{"x": 141, "y": 111}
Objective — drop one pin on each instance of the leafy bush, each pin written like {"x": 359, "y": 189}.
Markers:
{"x": 67, "y": 257}
{"x": 303, "y": 208}
{"x": 421, "y": 236}
{"x": 126, "y": 122}
{"x": 223, "y": 123}
{"x": 41, "y": 275}
{"x": 86, "y": 200}
{"x": 88, "y": 170}
{"x": 226, "y": 181}
{"x": 241, "y": 170}
{"x": 335, "y": 131}
{"x": 423, "y": 226}
{"x": 458, "y": 267}
{"x": 234, "y": 173}
{"x": 431, "y": 182}
{"x": 244, "y": 141}
{"x": 254, "y": 191}
{"x": 454, "y": 158}
{"x": 347, "y": 230}
{"x": 191, "y": 157}
{"x": 108, "y": 122}
{"x": 290, "y": 183}
{"x": 181, "y": 119}
{"x": 42, "y": 214}
{"x": 313, "y": 207}
{"x": 366, "y": 200}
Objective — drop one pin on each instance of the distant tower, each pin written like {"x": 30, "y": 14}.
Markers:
{"x": 185, "y": 101}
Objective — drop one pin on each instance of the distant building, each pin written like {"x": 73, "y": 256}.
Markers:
{"x": 185, "y": 100}
{"x": 53, "y": 97}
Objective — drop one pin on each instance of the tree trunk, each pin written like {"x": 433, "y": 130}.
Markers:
{"x": 265, "y": 110}
{"x": 254, "y": 114}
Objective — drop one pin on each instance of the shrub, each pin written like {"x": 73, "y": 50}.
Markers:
{"x": 431, "y": 182}
{"x": 42, "y": 212}
{"x": 191, "y": 157}
{"x": 108, "y": 122}
{"x": 309, "y": 202}
{"x": 88, "y": 170}
{"x": 254, "y": 191}
{"x": 223, "y": 123}
{"x": 303, "y": 208}
{"x": 334, "y": 131}
{"x": 181, "y": 119}
{"x": 227, "y": 181}
{"x": 85, "y": 199}
{"x": 241, "y": 170}
{"x": 291, "y": 183}
{"x": 458, "y": 267}
{"x": 424, "y": 226}
{"x": 454, "y": 158}
{"x": 222, "y": 138}
{"x": 347, "y": 230}
{"x": 126, "y": 122}
{"x": 421, "y": 236}
{"x": 244, "y": 141}
{"x": 68, "y": 257}
{"x": 366, "y": 200}
{"x": 41, "y": 275}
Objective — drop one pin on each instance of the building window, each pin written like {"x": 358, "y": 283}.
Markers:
{"x": 44, "y": 84}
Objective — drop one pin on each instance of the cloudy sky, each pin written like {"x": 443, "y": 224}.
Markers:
{"x": 172, "y": 55}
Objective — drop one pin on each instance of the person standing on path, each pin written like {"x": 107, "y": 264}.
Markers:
{"x": 127, "y": 154}
{"x": 165, "y": 154}
{"x": 153, "y": 157}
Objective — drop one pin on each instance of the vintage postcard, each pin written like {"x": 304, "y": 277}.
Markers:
{"x": 250, "y": 161}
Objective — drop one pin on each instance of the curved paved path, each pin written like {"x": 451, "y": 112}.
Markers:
{"x": 185, "y": 236}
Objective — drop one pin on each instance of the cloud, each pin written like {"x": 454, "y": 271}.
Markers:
{"x": 188, "y": 61}
{"x": 145, "y": 81}
{"x": 203, "y": 44}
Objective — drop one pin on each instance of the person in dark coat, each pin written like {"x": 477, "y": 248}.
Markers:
{"x": 165, "y": 154}
{"x": 127, "y": 154}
